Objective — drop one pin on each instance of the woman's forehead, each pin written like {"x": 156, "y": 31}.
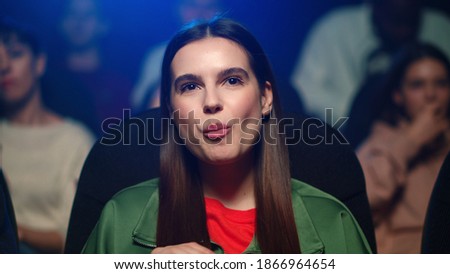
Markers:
{"x": 11, "y": 39}
{"x": 210, "y": 51}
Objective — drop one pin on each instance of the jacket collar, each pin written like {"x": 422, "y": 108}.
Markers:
{"x": 310, "y": 242}
{"x": 145, "y": 231}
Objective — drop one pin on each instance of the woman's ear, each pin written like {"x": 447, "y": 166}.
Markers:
{"x": 397, "y": 97}
{"x": 267, "y": 99}
{"x": 40, "y": 64}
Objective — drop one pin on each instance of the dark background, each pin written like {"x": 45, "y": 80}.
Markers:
{"x": 136, "y": 25}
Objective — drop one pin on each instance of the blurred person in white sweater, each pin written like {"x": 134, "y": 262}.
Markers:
{"x": 42, "y": 153}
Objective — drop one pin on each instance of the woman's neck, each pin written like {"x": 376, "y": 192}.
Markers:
{"x": 32, "y": 113}
{"x": 231, "y": 184}
{"x": 87, "y": 60}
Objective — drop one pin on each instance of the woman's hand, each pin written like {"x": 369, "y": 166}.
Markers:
{"x": 187, "y": 248}
{"x": 429, "y": 124}
{"x": 48, "y": 241}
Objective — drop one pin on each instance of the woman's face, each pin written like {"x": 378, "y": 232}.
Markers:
{"x": 426, "y": 81}
{"x": 216, "y": 101}
{"x": 19, "y": 71}
{"x": 81, "y": 24}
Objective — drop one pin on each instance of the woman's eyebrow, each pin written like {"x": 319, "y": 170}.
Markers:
{"x": 222, "y": 74}
{"x": 234, "y": 71}
{"x": 187, "y": 77}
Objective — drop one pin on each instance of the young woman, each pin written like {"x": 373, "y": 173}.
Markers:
{"x": 42, "y": 153}
{"x": 402, "y": 156}
{"x": 225, "y": 184}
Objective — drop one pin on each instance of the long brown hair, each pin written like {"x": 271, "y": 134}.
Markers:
{"x": 182, "y": 216}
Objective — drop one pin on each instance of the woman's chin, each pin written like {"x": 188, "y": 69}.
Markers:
{"x": 220, "y": 160}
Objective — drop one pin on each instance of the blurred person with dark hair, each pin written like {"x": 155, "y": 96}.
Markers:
{"x": 146, "y": 91}
{"x": 42, "y": 152}
{"x": 89, "y": 77}
{"x": 351, "y": 44}
{"x": 406, "y": 148}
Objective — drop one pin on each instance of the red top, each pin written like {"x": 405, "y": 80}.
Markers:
{"x": 232, "y": 229}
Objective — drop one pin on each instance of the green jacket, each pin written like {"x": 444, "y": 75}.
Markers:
{"x": 129, "y": 220}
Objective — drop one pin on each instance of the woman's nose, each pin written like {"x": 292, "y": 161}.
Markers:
{"x": 212, "y": 103}
{"x": 431, "y": 92}
{"x": 5, "y": 63}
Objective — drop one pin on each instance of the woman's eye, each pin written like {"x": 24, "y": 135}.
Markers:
{"x": 188, "y": 87}
{"x": 234, "y": 81}
{"x": 415, "y": 84}
{"x": 15, "y": 53}
{"x": 443, "y": 83}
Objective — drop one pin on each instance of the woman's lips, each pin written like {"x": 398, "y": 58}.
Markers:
{"x": 5, "y": 83}
{"x": 216, "y": 131}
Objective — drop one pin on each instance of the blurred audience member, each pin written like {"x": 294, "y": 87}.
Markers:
{"x": 80, "y": 74}
{"x": 146, "y": 92}
{"x": 352, "y": 43}
{"x": 407, "y": 146}
{"x": 42, "y": 153}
